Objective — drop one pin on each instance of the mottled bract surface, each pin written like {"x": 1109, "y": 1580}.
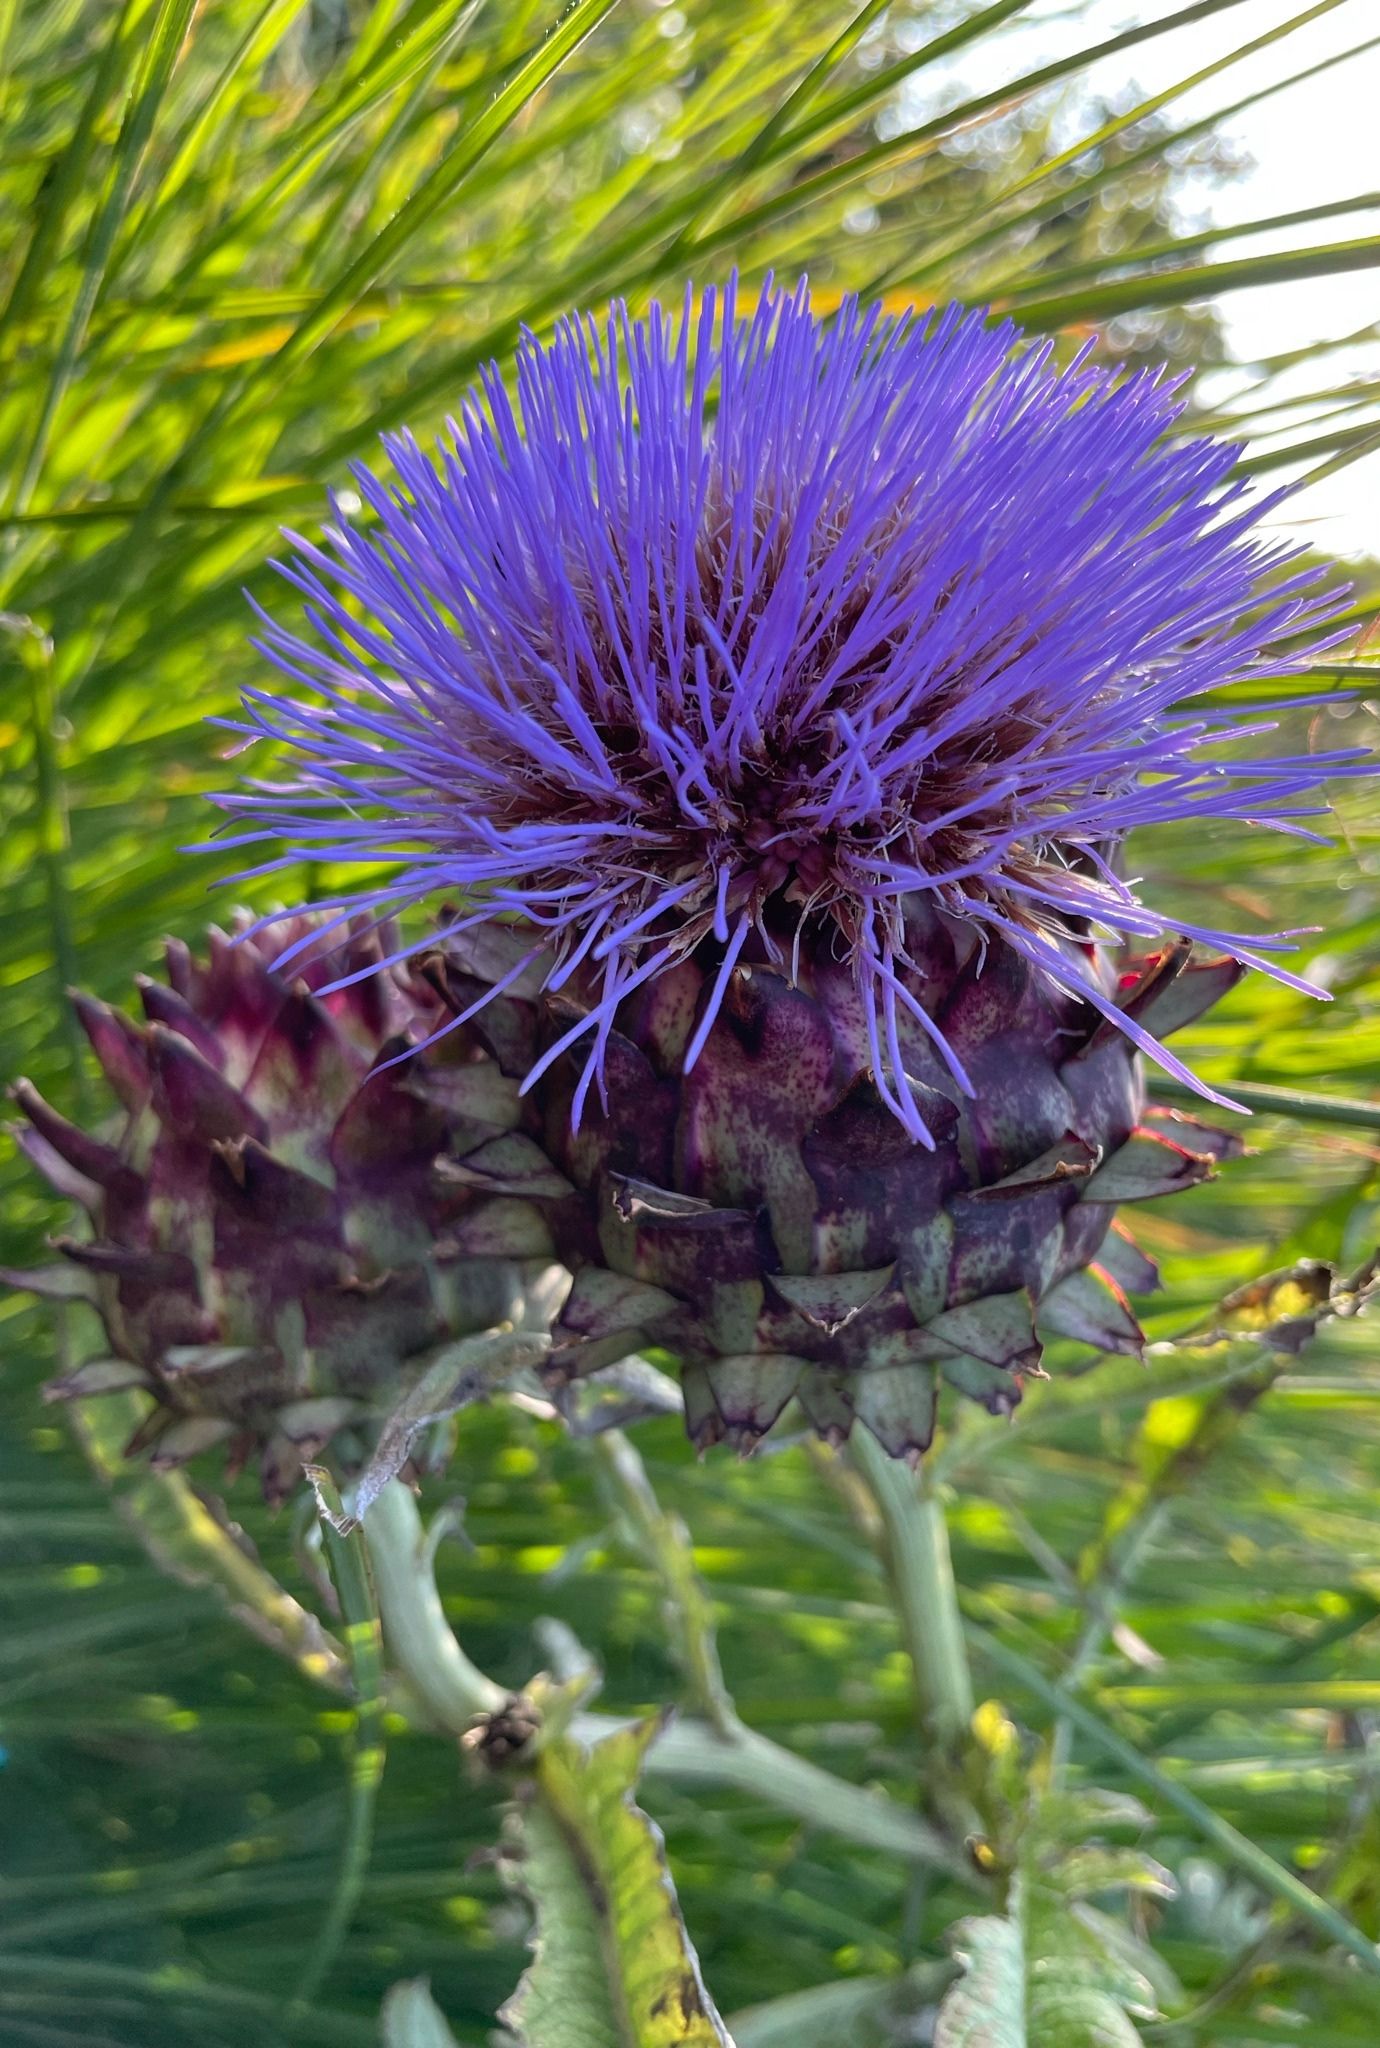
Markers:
{"x": 268, "y": 1242}
{"x": 766, "y": 1217}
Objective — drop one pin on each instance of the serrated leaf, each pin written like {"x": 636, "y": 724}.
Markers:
{"x": 1117, "y": 1939}
{"x": 613, "y": 1965}
{"x": 1076, "y": 2016}
{"x": 1096, "y": 1867}
{"x": 986, "y": 2007}
{"x": 1038, "y": 1979}
{"x": 1072, "y": 1816}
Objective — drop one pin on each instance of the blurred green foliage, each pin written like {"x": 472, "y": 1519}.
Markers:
{"x": 240, "y": 239}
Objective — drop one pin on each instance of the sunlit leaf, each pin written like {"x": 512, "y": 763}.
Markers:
{"x": 614, "y": 1967}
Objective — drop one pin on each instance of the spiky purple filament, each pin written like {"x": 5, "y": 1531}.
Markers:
{"x": 738, "y": 630}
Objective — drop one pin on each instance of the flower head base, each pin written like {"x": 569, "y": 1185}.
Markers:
{"x": 739, "y": 631}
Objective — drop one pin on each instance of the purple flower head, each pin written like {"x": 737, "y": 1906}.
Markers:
{"x": 742, "y": 629}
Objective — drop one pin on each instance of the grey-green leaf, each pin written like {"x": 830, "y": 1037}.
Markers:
{"x": 863, "y": 2012}
{"x": 411, "y": 2017}
{"x": 986, "y": 2007}
{"x": 1019, "y": 1990}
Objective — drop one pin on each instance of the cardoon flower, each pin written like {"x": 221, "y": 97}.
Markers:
{"x": 773, "y": 697}
{"x": 268, "y": 1243}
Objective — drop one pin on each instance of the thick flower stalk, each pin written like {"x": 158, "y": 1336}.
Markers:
{"x": 780, "y": 692}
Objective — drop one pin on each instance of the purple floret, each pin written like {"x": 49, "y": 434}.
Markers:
{"x": 742, "y": 629}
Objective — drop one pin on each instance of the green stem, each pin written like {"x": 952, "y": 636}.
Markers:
{"x": 664, "y": 1542}
{"x": 1299, "y": 1103}
{"x": 691, "y": 1753}
{"x": 1099, "y": 1619}
{"x": 1137, "y": 1515}
{"x": 453, "y": 1692}
{"x": 415, "y": 1628}
{"x": 915, "y": 1543}
{"x": 364, "y": 1639}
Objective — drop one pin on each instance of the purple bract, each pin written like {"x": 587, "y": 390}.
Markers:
{"x": 745, "y": 628}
